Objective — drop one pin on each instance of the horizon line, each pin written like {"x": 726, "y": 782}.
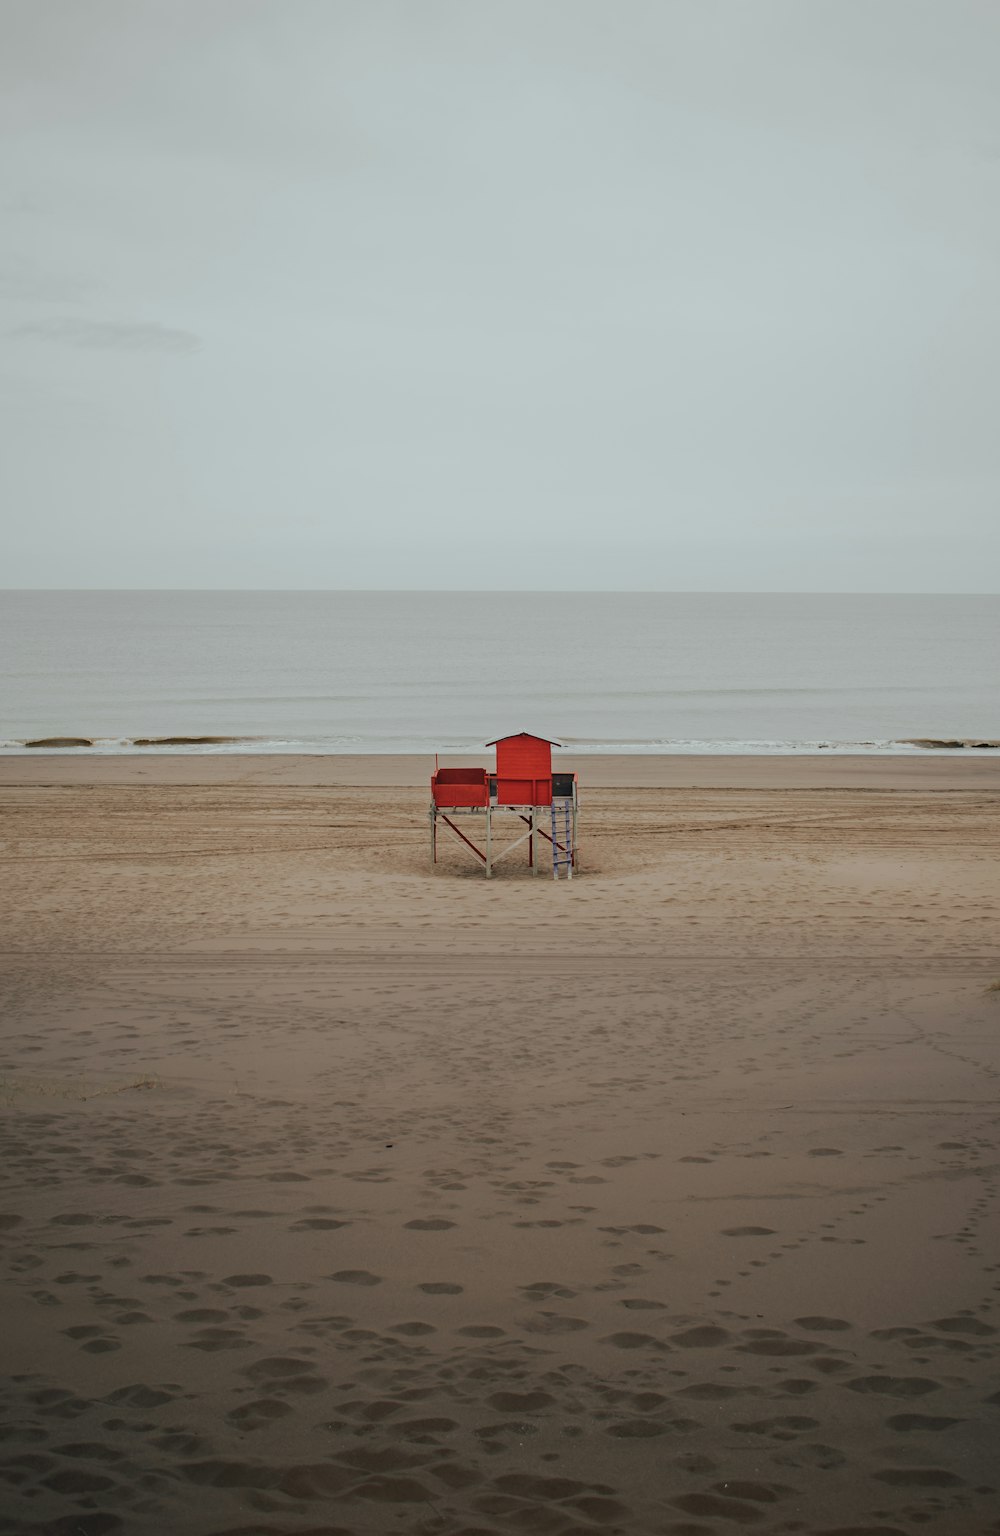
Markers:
{"x": 547, "y": 591}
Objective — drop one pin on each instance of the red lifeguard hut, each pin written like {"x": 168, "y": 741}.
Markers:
{"x": 524, "y": 769}
{"x": 523, "y": 785}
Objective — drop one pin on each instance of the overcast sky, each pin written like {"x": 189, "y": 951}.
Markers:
{"x": 664, "y": 294}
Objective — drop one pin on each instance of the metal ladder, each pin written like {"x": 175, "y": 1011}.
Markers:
{"x": 562, "y": 837}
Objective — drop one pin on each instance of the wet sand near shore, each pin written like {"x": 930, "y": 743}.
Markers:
{"x": 917, "y": 771}
{"x": 341, "y": 1196}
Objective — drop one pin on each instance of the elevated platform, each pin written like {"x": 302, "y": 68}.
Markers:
{"x": 555, "y": 823}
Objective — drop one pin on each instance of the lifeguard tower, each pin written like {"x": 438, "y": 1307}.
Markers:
{"x": 523, "y": 786}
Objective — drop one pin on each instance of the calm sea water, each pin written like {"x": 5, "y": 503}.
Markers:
{"x": 409, "y": 672}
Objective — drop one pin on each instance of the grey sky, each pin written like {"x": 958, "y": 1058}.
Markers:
{"x": 548, "y": 293}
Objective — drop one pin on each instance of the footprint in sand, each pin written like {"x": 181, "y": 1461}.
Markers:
{"x": 909, "y": 1423}
{"x": 720, "y": 1505}
{"x": 355, "y": 1277}
{"x": 637, "y": 1429}
{"x": 894, "y": 1386}
{"x": 212, "y": 1340}
{"x": 521, "y": 1402}
{"x": 706, "y": 1336}
{"x": 140, "y": 1396}
{"x": 762, "y": 1341}
{"x": 74, "y": 1480}
{"x": 919, "y": 1477}
{"x": 758, "y": 1493}
{"x": 553, "y": 1323}
{"x": 541, "y": 1290}
{"x": 795, "y": 1386}
{"x": 634, "y": 1341}
{"x": 286, "y": 1374}
{"x": 524, "y": 1485}
{"x": 258, "y": 1414}
{"x": 710, "y": 1392}
{"x": 969, "y": 1325}
{"x": 823, "y": 1457}
{"x": 431, "y": 1224}
{"x": 785, "y": 1427}
{"x": 94, "y": 1340}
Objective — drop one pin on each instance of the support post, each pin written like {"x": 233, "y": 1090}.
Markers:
{"x": 434, "y": 835}
{"x": 489, "y": 842}
{"x": 531, "y": 842}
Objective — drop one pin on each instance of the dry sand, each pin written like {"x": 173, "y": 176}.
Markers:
{"x": 338, "y": 1196}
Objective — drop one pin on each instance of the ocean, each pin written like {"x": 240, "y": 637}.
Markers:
{"x": 450, "y": 671}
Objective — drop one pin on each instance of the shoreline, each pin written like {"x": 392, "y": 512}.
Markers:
{"x": 323, "y": 746}
{"x": 604, "y": 771}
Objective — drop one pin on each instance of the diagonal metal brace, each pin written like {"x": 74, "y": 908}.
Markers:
{"x": 542, "y": 833}
{"x": 466, "y": 840}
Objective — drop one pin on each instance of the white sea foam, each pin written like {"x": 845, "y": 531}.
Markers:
{"x": 339, "y": 745}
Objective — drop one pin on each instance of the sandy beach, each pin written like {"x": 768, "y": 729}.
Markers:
{"x": 342, "y": 1196}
